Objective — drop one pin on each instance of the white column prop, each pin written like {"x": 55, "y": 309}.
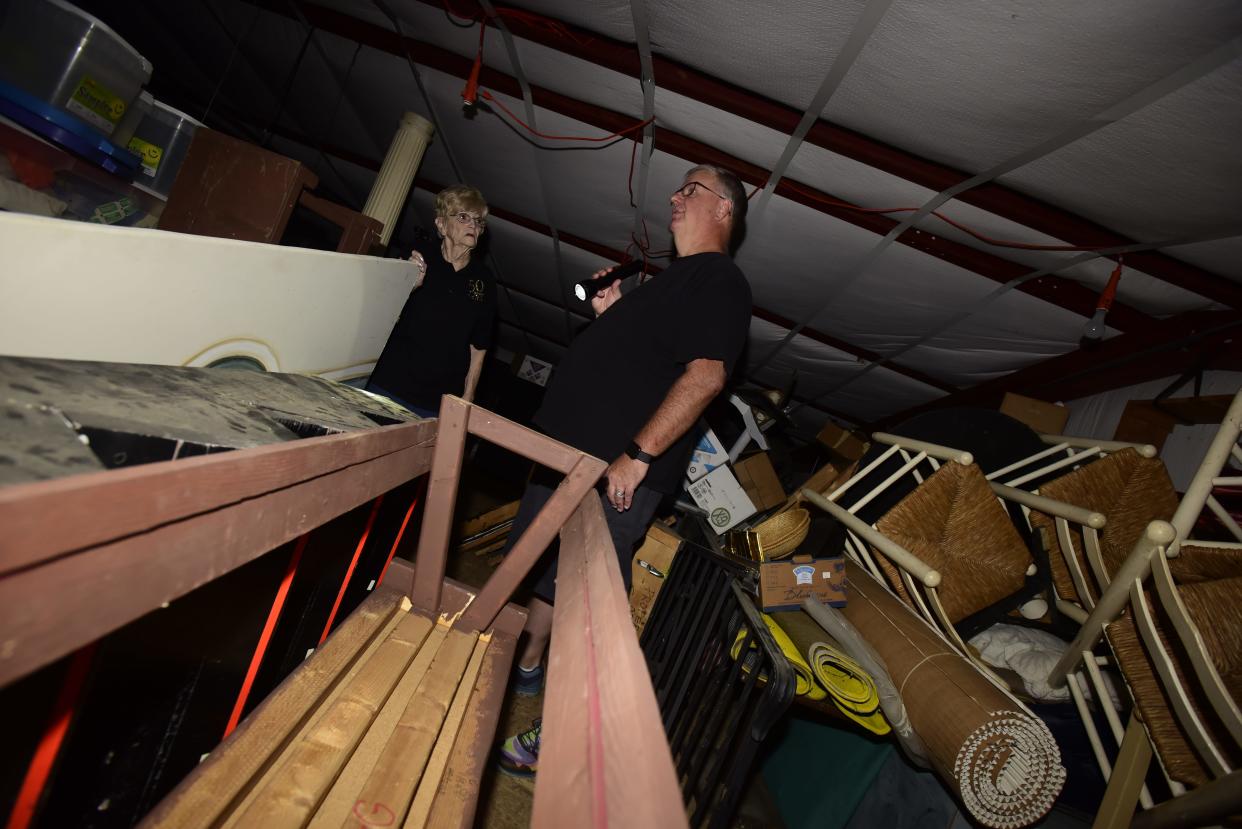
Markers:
{"x": 392, "y": 185}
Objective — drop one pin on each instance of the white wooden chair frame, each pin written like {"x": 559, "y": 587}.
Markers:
{"x": 1150, "y": 560}
{"x": 922, "y": 581}
{"x": 1067, "y": 451}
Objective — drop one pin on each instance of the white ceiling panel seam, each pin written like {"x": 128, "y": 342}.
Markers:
{"x": 866, "y": 24}
{"x": 962, "y": 316}
{"x": 1186, "y": 74}
{"x": 528, "y": 102}
{"x": 638, "y": 13}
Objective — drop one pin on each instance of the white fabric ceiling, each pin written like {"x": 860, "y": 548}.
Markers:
{"x": 1125, "y": 115}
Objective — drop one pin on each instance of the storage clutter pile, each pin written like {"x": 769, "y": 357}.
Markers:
{"x": 69, "y": 79}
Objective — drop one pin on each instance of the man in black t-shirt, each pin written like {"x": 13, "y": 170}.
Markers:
{"x": 632, "y": 385}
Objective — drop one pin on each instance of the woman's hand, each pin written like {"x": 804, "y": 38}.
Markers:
{"x": 420, "y": 267}
{"x": 605, "y": 298}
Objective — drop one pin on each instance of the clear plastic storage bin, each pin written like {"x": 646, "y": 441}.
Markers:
{"x": 67, "y": 58}
{"x": 161, "y": 140}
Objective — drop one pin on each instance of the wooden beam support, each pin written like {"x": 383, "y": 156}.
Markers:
{"x": 116, "y": 581}
{"x": 48, "y": 519}
{"x": 600, "y": 707}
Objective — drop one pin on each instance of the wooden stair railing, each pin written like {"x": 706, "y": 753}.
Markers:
{"x": 392, "y": 721}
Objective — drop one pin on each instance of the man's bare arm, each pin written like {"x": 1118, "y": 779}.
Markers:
{"x": 700, "y": 383}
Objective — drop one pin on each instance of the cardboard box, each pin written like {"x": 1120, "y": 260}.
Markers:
{"x": 841, "y": 442}
{"x": 757, "y": 476}
{"x": 720, "y": 495}
{"x": 650, "y": 568}
{"x": 1045, "y": 418}
{"x": 828, "y": 477}
{"x": 784, "y": 585}
{"x": 708, "y": 454}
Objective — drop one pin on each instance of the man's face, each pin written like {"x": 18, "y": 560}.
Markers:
{"x": 462, "y": 228}
{"x": 695, "y": 203}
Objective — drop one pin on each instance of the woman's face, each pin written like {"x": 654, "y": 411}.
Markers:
{"x": 462, "y": 228}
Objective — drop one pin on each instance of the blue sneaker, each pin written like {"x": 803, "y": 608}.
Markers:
{"x": 519, "y": 755}
{"x": 528, "y": 683}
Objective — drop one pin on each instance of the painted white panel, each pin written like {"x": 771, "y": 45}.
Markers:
{"x": 1222, "y": 257}
{"x": 972, "y": 84}
{"x": 1097, "y": 416}
{"x": 1169, "y": 170}
{"x": 820, "y": 368}
{"x": 79, "y": 291}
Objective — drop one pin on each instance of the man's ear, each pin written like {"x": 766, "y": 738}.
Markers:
{"x": 723, "y": 208}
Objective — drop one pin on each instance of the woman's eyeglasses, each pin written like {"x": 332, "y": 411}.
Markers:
{"x": 467, "y": 218}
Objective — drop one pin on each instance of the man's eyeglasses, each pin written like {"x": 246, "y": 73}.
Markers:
{"x": 467, "y": 218}
{"x": 687, "y": 190}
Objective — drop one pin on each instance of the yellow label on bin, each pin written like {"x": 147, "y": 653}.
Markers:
{"x": 149, "y": 153}
{"x": 95, "y": 103}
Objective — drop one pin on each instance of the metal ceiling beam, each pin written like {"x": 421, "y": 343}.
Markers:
{"x": 995, "y": 198}
{"x": 1063, "y": 293}
{"x": 1165, "y": 349}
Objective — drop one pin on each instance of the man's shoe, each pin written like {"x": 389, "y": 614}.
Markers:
{"x": 528, "y": 683}
{"x": 519, "y": 755}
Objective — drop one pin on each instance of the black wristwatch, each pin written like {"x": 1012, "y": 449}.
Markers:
{"x": 635, "y": 452}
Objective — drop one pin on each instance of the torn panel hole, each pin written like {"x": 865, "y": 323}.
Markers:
{"x": 117, "y": 449}
{"x": 301, "y": 428}
{"x": 380, "y": 420}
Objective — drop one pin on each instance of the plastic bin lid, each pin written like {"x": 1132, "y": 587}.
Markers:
{"x": 157, "y": 102}
{"x": 65, "y": 130}
{"x": 104, "y": 27}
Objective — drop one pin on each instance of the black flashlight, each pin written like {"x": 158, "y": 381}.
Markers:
{"x": 588, "y": 288}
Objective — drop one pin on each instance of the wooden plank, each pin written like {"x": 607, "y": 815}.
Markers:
{"x": 116, "y": 583}
{"x": 604, "y": 758}
{"x": 526, "y": 442}
{"x": 405, "y": 755}
{"x": 437, "y": 526}
{"x": 49, "y": 518}
{"x": 487, "y": 520}
{"x": 1126, "y": 780}
{"x": 220, "y": 781}
{"x": 429, "y": 785}
{"x": 457, "y": 798}
{"x": 289, "y": 796}
{"x": 531, "y": 545}
{"x": 339, "y": 805}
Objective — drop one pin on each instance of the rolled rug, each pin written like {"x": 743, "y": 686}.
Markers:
{"x": 849, "y": 685}
{"x": 806, "y": 685}
{"x": 1000, "y": 759}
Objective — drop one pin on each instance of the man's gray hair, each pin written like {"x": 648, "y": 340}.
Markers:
{"x": 733, "y": 191}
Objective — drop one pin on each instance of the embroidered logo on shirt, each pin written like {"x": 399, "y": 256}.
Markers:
{"x": 476, "y": 289}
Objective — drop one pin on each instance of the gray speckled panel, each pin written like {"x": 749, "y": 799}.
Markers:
{"x": 37, "y": 443}
{"x": 44, "y": 401}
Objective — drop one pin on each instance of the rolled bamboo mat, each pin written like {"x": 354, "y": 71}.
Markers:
{"x": 1001, "y": 761}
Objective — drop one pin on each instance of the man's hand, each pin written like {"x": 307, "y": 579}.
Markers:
{"x": 623, "y": 476}
{"x": 605, "y": 298}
